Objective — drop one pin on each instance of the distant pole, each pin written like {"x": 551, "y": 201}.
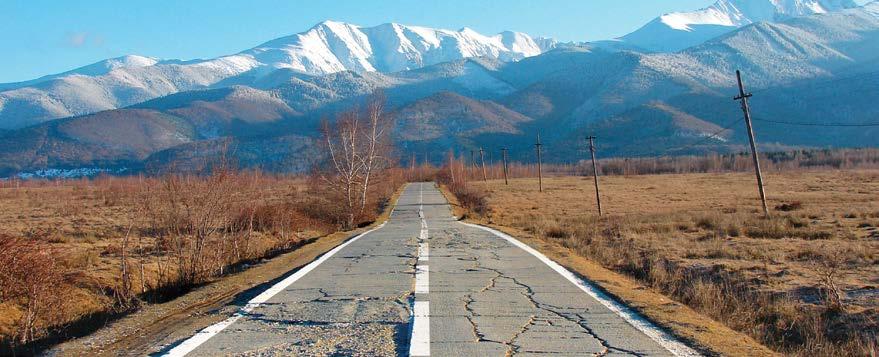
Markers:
{"x": 743, "y": 97}
{"x": 539, "y": 164}
{"x": 482, "y": 158}
{"x": 504, "y": 154}
{"x": 472, "y": 163}
{"x": 595, "y": 172}
{"x": 452, "y": 166}
{"x": 412, "y": 168}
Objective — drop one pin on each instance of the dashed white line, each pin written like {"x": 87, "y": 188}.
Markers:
{"x": 420, "y": 343}
{"x": 423, "y": 252}
{"x": 422, "y": 279}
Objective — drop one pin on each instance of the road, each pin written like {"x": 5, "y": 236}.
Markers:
{"x": 426, "y": 284}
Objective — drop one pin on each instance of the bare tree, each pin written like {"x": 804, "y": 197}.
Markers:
{"x": 378, "y": 146}
{"x": 358, "y": 147}
{"x": 342, "y": 142}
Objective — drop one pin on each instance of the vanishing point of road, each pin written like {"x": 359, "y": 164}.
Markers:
{"x": 425, "y": 284}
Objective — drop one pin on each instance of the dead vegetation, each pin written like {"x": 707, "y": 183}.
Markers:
{"x": 122, "y": 242}
{"x": 771, "y": 162}
{"x": 74, "y": 253}
{"x": 802, "y": 282}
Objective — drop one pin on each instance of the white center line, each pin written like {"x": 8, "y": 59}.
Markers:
{"x": 422, "y": 279}
{"x": 423, "y": 251}
{"x": 419, "y": 345}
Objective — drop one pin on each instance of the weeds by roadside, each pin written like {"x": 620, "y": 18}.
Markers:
{"x": 123, "y": 242}
{"x": 792, "y": 281}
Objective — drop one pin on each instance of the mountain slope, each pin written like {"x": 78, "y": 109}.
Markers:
{"x": 679, "y": 30}
{"x": 818, "y": 69}
{"x": 329, "y": 47}
{"x": 448, "y": 115}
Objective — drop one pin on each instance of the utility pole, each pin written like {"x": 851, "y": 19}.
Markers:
{"x": 504, "y": 154}
{"x": 595, "y": 172}
{"x": 539, "y": 164}
{"x": 482, "y": 158}
{"x": 472, "y": 163}
{"x": 452, "y": 166}
{"x": 743, "y": 97}
{"x": 412, "y": 168}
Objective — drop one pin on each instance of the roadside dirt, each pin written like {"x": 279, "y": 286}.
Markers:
{"x": 699, "y": 331}
{"x": 156, "y": 326}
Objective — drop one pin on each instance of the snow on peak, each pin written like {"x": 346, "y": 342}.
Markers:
{"x": 679, "y": 30}
{"x": 743, "y": 12}
{"x": 336, "y": 46}
{"x": 872, "y": 7}
{"x": 328, "y": 47}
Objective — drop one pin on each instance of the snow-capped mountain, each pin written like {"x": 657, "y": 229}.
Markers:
{"x": 332, "y": 47}
{"x": 328, "y": 47}
{"x": 663, "y": 102}
{"x": 679, "y": 30}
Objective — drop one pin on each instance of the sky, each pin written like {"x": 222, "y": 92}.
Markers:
{"x": 43, "y": 37}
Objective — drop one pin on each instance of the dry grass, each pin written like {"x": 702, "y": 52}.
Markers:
{"x": 803, "y": 282}
{"x": 123, "y": 242}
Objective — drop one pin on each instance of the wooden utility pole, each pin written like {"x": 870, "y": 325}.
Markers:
{"x": 472, "y": 163}
{"x": 482, "y": 158}
{"x": 595, "y": 172}
{"x": 452, "y": 166}
{"x": 743, "y": 97}
{"x": 539, "y": 165}
{"x": 504, "y": 154}
{"x": 412, "y": 168}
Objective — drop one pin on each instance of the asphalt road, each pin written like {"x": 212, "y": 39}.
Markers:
{"x": 425, "y": 284}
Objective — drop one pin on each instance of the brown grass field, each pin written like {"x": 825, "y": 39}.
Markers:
{"x": 803, "y": 282}
{"x": 101, "y": 248}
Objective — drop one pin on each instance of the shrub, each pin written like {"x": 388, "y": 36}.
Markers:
{"x": 787, "y": 207}
{"x": 30, "y": 277}
{"x": 474, "y": 200}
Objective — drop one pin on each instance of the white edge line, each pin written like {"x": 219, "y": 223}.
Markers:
{"x": 648, "y": 328}
{"x": 202, "y": 336}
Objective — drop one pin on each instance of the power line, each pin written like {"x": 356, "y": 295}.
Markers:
{"x": 713, "y": 136}
{"x": 818, "y": 124}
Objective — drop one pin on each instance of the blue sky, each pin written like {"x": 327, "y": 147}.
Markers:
{"x": 50, "y": 36}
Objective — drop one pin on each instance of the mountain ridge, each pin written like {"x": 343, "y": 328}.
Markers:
{"x": 328, "y": 47}
{"x": 675, "y": 31}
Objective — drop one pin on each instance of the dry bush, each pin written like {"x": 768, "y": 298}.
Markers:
{"x": 32, "y": 280}
{"x": 474, "y": 200}
{"x": 125, "y": 241}
{"x": 455, "y": 176}
{"x": 787, "y": 207}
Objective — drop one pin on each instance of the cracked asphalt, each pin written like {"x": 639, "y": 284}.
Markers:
{"x": 487, "y": 298}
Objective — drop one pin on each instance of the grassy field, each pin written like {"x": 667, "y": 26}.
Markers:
{"x": 803, "y": 282}
{"x": 95, "y": 249}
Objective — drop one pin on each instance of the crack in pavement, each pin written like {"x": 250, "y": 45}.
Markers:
{"x": 526, "y": 291}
